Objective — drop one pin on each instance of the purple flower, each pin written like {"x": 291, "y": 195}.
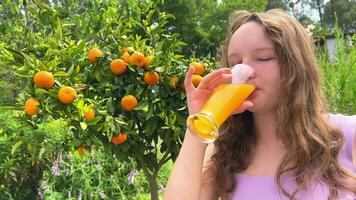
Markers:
{"x": 55, "y": 169}
{"x": 44, "y": 186}
{"x": 102, "y": 194}
{"x": 40, "y": 190}
{"x": 40, "y": 193}
{"x": 131, "y": 176}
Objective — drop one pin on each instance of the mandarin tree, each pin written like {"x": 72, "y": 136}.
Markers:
{"x": 116, "y": 71}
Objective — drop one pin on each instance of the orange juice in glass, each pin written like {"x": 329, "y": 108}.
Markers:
{"x": 225, "y": 99}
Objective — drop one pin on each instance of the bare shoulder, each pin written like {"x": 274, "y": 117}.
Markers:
{"x": 208, "y": 191}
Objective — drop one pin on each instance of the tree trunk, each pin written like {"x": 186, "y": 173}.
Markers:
{"x": 319, "y": 5}
{"x": 153, "y": 187}
{"x": 332, "y": 8}
{"x": 152, "y": 179}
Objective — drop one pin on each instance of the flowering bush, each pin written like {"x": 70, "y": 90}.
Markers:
{"x": 91, "y": 176}
{"x": 24, "y": 154}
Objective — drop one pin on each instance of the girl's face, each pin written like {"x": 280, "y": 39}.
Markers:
{"x": 250, "y": 45}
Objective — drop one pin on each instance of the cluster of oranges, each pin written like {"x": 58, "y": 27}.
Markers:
{"x": 138, "y": 59}
{"x": 67, "y": 95}
{"x": 199, "y": 70}
{"x": 45, "y": 80}
{"x": 119, "y": 66}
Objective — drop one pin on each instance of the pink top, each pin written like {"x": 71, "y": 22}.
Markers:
{"x": 265, "y": 188}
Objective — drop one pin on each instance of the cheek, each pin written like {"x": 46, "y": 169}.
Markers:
{"x": 273, "y": 74}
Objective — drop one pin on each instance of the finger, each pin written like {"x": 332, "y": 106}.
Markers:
{"x": 188, "y": 85}
{"x": 223, "y": 79}
{"x": 244, "y": 106}
{"x": 205, "y": 82}
{"x": 201, "y": 94}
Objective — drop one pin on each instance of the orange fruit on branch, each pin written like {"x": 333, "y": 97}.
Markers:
{"x": 67, "y": 95}
{"x": 151, "y": 78}
{"x": 147, "y": 61}
{"x": 173, "y": 81}
{"x": 43, "y": 79}
{"x": 80, "y": 150}
{"x": 118, "y": 66}
{"x": 31, "y": 106}
{"x": 199, "y": 68}
{"x": 128, "y": 102}
{"x": 137, "y": 59}
{"x": 126, "y": 57}
{"x": 196, "y": 80}
{"x": 89, "y": 115}
{"x": 121, "y": 138}
{"x": 93, "y": 54}
{"x": 83, "y": 148}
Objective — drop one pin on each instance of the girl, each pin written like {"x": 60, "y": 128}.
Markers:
{"x": 281, "y": 143}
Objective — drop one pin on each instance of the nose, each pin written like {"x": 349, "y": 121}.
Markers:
{"x": 253, "y": 75}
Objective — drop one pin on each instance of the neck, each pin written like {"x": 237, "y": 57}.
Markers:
{"x": 265, "y": 128}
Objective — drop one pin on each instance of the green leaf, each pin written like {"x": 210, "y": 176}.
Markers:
{"x": 83, "y": 125}
{"x": 40, "y": 91}
{"x": 110, "y": 106}
{"x": 120, "y": 121}
{"x": 60, "y": 73}
{"x": 15, "y": 147}
{"x": 141, "y": 105}
{"x": 151, "y": 126}
{"x": 77, "y": 69}
{"x": 40, "y": 154}
{"x": 93, "y": 121}
{"x": 182, "y": 108}
{"x": 23, "y": 75}
{"x": 160, "y": 69}
{"x": 70, "y": 71}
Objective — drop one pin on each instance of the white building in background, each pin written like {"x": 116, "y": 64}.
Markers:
{"x": 331, "y": 48}
{"x": 330, "y": 45}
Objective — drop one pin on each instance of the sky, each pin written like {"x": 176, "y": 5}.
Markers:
{"x": 313, "y": 12}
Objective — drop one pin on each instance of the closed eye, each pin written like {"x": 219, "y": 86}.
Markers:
{"x": 264, "y": 59}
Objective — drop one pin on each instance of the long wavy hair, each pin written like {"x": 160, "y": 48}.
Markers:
{"x": 312, "y": 144}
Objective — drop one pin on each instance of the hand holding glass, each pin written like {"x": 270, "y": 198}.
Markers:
{"x": 222, "y": 103}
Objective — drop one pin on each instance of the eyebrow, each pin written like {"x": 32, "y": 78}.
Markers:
{"x": 264, "y": 49}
